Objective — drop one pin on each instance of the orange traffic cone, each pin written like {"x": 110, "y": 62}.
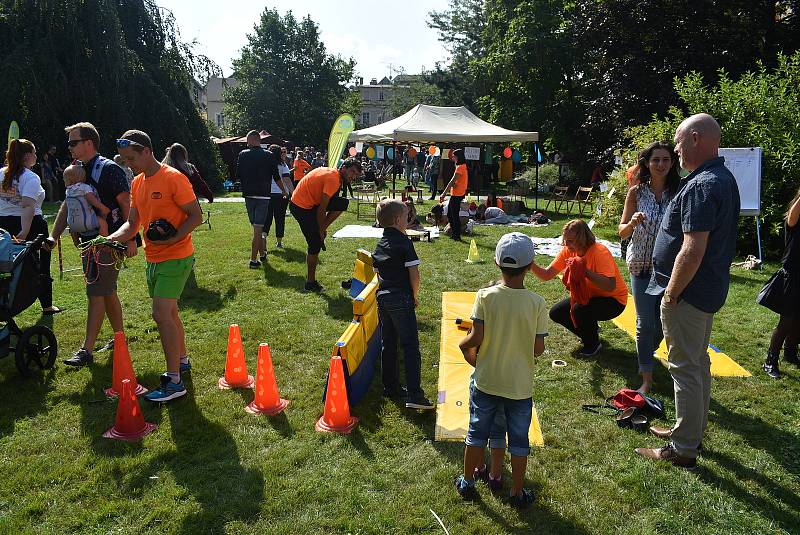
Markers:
{"x": 123, "y": 369}
{"x": 129, "y": 424}
{"x": 235, "y": 365}
{"x": 336, "y": 417}
{"x": 267, "y": 401}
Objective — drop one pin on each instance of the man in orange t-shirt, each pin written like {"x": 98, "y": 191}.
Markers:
{"x": 457, "y": 188}
{"x": 315, "y": 205}
{"x": 163, "y": 203}
{"x": 300, "y": 168}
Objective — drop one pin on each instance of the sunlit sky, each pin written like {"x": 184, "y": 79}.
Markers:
{"x": 378, "y": 35}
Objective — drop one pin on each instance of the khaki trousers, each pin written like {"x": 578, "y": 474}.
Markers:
{"x": 687, "y": 331}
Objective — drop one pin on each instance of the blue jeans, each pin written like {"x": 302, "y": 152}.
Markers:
{"x": 399, "y": 322}
{"x": 648, "y": 321}
{"x": 486, "y": 415}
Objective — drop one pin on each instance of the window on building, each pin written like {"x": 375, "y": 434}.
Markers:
{"x": 365, "y": 118}
{"x": 380, "y": 96}
{"x": 219, "y": 119}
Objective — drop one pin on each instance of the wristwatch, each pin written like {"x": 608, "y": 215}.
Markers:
{"x": 668, "y": 298}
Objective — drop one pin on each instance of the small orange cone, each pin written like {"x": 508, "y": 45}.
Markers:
{"x": 267, "y": 401}
{"x": 336, "y": 417}
{"x": 123, "y": 369}
{"x": 129, "y": 424}
{"x": 235, "y": 365}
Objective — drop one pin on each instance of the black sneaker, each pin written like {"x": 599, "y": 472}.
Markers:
{"x": 523, "y": 500}
{"x": 400, "y": 392}
{"x": 263, "y": 258}
{"x": 771, "y": 365}
{"x": 108, "y": 347}
{"x": 590, "y": 351}
{"x": 80, "y": 358}
{"x": 313, "y": 286}
{"x": 419, "y": 402}
{"x": 255, "y": 264}
{"x": 466, "y": 491}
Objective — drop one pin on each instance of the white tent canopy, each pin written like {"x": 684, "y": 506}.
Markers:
{"x": 431, "y": 124}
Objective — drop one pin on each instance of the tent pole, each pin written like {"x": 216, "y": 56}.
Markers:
{"x": 394, "y": 168}
{"x": 536, "y": 191}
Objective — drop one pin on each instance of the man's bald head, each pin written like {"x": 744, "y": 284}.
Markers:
{"x": 697, "y": 140}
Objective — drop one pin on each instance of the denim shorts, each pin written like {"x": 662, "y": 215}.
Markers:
{"x": 491, "y": 417}
{"x": 256, "y": 210}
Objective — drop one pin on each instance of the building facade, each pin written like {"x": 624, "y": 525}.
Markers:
{"x": 214, "y": 99}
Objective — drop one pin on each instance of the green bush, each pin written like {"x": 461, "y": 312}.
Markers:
{"x": 761, "y": 109}
{"x": 548, "y": 176}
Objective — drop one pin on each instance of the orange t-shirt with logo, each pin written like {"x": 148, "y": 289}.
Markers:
{"x": 598, "y": 258}
{"x": 301, "y": 167}
{"x": 160, "y": 197}
{"x": 461, "y": 179}
{"x": 308, "y": 192}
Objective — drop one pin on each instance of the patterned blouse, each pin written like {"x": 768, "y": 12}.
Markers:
{"x": 640, "y": 249}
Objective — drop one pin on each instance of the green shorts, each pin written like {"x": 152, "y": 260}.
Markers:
{"x": 166, "y": 279}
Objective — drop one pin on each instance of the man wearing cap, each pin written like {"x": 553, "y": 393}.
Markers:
{"x": 101, "y": 276}
{"x": 315, "y": 205}
{"x": 164, "y": 205}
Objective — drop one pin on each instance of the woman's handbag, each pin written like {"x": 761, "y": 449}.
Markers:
{"x": 772, "y": 294}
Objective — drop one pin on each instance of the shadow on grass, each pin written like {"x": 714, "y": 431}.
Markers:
{"x": 198, "y": 298}
{"x": 289, "y": 254}
{"x": 282, "y": 279}
{"x": 24, "y": 396}
{"x": 538, "y": 517}
{"x": 207, "y": 464}
{"x": 783, "y": 504}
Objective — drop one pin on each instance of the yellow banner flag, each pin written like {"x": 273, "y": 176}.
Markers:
{"x": 337, "y": 141}
{"x": 13, "y": 131}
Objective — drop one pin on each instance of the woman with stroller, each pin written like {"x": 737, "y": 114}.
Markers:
{"x": 21, "y": 197}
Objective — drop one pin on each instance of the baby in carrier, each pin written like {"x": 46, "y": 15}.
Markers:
{"x": 86, "y": 215}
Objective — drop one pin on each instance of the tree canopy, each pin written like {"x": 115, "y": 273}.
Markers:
{"x": 288, "y": 83}
{"x": 582, "y": 71}
{"x": 118, "y": 65}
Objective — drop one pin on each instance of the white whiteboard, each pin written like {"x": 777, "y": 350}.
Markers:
{"x": 745, "y": 164}
{"x": 472, "y": 153}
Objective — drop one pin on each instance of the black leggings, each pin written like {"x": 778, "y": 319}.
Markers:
{"x": 453, "y": 208}
{"x": 587, "y": 316}
{"x": 13, "y": 224}
{"x": 786, "y": 333}
{"x": 277, "y": 211}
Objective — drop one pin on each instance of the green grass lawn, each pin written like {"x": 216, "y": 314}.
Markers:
{"x": 212, "y": 468}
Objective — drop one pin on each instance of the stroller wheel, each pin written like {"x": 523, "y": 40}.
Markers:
{"x": 37, "y": 347}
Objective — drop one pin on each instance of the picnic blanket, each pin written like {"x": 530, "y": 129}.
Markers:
{"x": 552, "y": 246}
{"x": 367, "y": 231}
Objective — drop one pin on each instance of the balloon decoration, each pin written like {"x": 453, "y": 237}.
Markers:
{"x": 370, "y": 152}
{"x": 412, "y": 151}
{"x": 516, "y": 156}
{"x": 352, "y": 151}
{"x": 507, "y": 152}
{"x": 390, "y": 153}
{"x": 432, "y": 150}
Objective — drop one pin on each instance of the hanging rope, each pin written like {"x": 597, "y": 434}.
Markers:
{"x": 91, "y": 253}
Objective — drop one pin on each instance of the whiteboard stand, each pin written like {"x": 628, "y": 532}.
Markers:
{"x": 745, "y": 165}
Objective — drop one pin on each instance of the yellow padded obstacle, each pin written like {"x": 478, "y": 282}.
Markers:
{"x": 452, "y": 409}
{"x": 351, "y": 346}
{"x": 721, "y": 364}
{"x": 366, "y": 299}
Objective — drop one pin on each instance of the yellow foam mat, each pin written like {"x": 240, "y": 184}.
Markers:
{"x": 366, "y": 299}
{"x": 721, "y": 364}
{"x": 351, "y": 346}
{"x": 452, "y": 409}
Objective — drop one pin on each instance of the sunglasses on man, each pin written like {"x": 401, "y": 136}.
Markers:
{"x": 124, "y": 143}
{"x": 72, "y": 142}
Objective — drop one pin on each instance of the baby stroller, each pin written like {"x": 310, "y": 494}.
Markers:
{"x": 20, "y": 285}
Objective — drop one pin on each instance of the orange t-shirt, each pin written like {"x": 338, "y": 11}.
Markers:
{"x": 160, "y": 197}
{"x": 597, "y": 258}
{"x": 460, "y": 184}
{"x": 301, "y": 167}
{"x": 308, "y": 192}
